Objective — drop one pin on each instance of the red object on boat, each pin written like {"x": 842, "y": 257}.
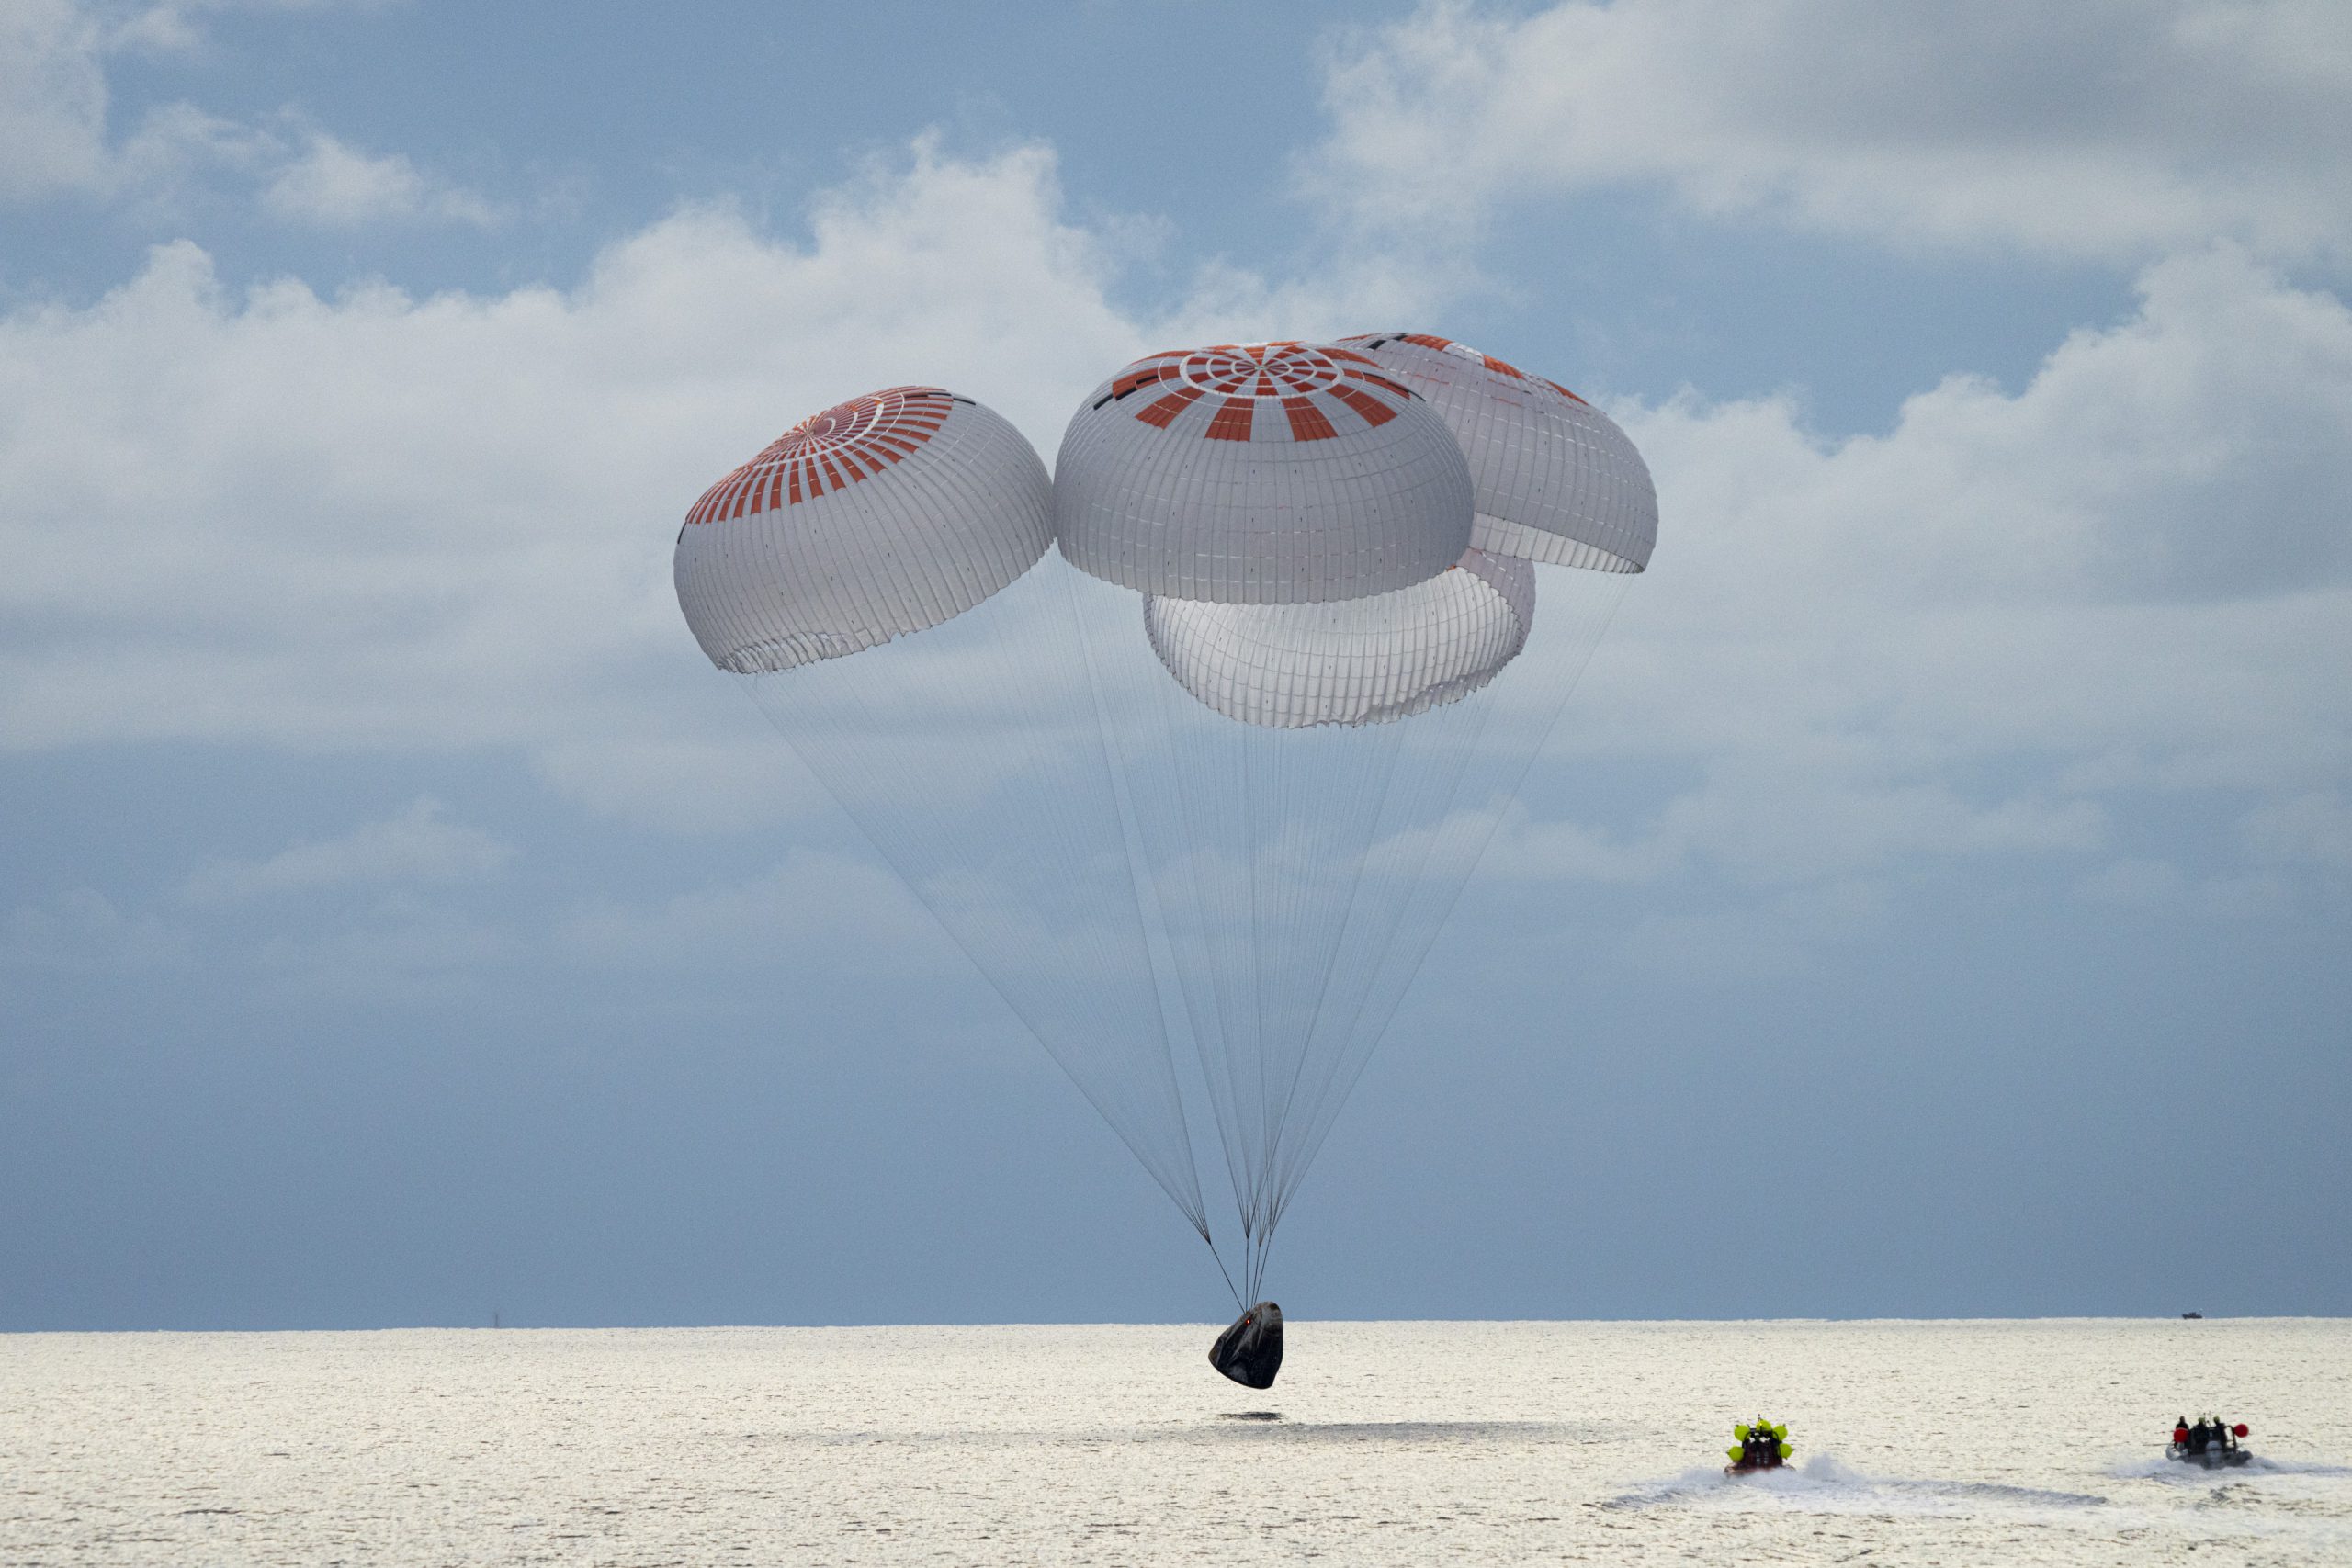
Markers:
{"x": 2180, "y": 1434}
{"x": 2240, "y": 1429}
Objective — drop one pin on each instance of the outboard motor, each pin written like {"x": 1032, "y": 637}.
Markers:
{"x": 1251, "y": 1352}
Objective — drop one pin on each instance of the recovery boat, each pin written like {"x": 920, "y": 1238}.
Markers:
{"x": 2210, "y": 1444}
{"x": 1763, "y": 1445}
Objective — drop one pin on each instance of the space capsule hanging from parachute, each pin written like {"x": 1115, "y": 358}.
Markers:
{"x": 1198, "y": 807}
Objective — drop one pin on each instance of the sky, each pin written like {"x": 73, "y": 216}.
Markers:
{"x": 1936, "y": 901}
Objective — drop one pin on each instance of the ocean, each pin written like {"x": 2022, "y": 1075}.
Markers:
{"x": 1406, "y": 1443}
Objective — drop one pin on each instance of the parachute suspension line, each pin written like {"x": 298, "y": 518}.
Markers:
{"x": 1224, "y": 941}
{"x": 1275, "y": 878}
{"x": 1374, "y": 951}
{"x": 1319, "y": 832}
{"x": 1328, "y": 785}
{"x": 1170, "y": 869}
{"x": 1332, "y": 959}
{"x": 1360, "y": 972}
{"x": 1212, "y": 924}
{"x": 1222, "y": 938}
{"x": 1470, "y": 834}
{"x": 1249, "y": 849}
{"x": 1473, "y": 831}
{"x": 1310, "y": 809}
{"x": 1206, "y": 773}
{"x": 1258, "y": 1260}
{"x": 1357, "y": 841}
{"x": 1217, "y": 789}
{"x": 1275, "y": 935}
{"x": 1429, "y": 794}
{"x": 1206, "y": 915}
{"x": 1140, "y": 878}
{"x": 829, "y": 715}
{"x": 1238, "y": 1303}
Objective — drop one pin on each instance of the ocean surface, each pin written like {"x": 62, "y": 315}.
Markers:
{"x": 2001, "y": 1442}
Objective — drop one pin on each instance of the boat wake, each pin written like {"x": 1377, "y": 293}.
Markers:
{"x": 2174, "y": 1470}
{"x": 1828, "y": 1484}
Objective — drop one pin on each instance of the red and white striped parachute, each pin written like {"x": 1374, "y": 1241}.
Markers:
{"x": 1193, "y": 747}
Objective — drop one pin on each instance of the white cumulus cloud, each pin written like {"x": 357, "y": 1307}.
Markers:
{"x": 52, "y": 99}
{"x": 55, "y": 137}
{"x": 2108, "y": 129}
{"x": 374, "y": 522}
{"x": 336, "y": 186}
{"x": 851, "y": 910}
{"x": 82, "y": 931}
{"x": 419, "y": 844}
{"x": 1991, "y": 629}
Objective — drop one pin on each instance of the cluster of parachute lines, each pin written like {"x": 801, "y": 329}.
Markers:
{"x": 1191, "y": 746}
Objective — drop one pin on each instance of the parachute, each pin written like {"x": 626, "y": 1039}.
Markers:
{"x": 782, "y": 584}
{"x": 1556, "y": 481}
{"x": 1193, "y": 747}
{"x": 1367, "y": 660}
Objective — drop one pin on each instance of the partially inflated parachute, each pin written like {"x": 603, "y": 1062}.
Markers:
{"x": 1197, "y": 785}
{"x": 1366, "y": 661}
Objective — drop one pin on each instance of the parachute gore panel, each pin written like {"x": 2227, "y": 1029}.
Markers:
{"x": 1555, "y": 480}
{"x": 879, "y": 517}
{"x": 1354, "y": 661}
{"x": 1279, "y": 473}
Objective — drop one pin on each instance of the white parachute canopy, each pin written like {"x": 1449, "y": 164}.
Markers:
{"x": 1369, "y": 661}
{"x": 1259, "y": 474}
{"x": 884, "y": 516}
{"x": 1197, "y": 789}
{"x": 1556, "y": 481}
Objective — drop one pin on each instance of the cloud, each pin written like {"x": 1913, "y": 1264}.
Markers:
{"x": 1793, "y": 822}
{"x": 377, "y": 522}
{"x": 419, "y": 844}
{"x": 54, "y": 137}
{"x": 179, "y": 23}
{"x": 2000, "y": 625}
{"x": 2114, "y": 130}
{"x": 82, "y": 931}
{"x": 52, "y": 99}
{"x": 2156, "y": 887}
{"x": 732, "y": 777}
{"x": 2315, "y": 827}
{"x": 336, "y": 185}
{"x": 814, "y": 902}
{"x": 399, "y": 951}
{"x": 1731, "y": 940}
{"x": 2135, "y": 881}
